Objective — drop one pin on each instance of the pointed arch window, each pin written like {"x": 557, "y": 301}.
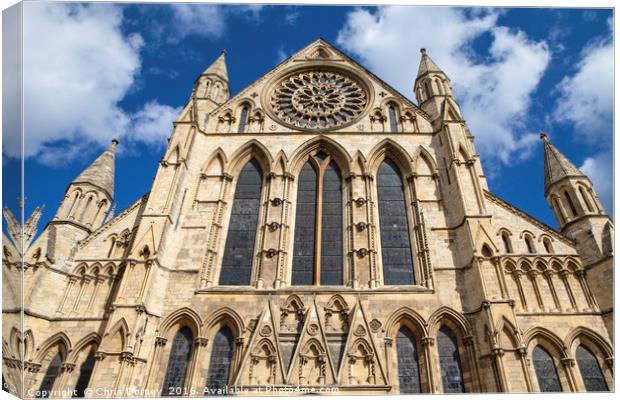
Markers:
{"x": 221, "y": 359}
{"x": 427, "y": 90}
{"x": 506, "y": 241}
{"x": 548, "y": 246}
{"x": 239, "y": 247}
{"x": 569, "y": 200}
{"x": 243, "y": 119}
{"x": 47, "y": 384}
{"x": 393, "y": 118}
{"x": 408, "y": 365}
{"x": 585, "y": 199}
{"x": 396, "y": 252}
{"x": 317, "y": 253}
{"x": 547, "y": 375}
{"x": 180, "y": 353}
{"x": 86, "y": 370}
{"x": 529, "y": 244}
{"x": 558, "y": 209}
{"x": 449, "y": 361}
{"x": 590, "y": 370}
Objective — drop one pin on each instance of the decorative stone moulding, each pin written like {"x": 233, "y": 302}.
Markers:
{"x": 318, "y": 99}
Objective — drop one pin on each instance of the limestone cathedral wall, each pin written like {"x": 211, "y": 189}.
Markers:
{"x": 139, "y": 298}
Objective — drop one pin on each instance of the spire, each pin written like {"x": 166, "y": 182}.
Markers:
{"x": 557, "y": 166}
{"x": 426, "y": 64}
{"x": 101, "y": 172}
{"x": 218, "y": 67}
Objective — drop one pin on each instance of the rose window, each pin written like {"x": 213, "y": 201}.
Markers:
{"x": 318, "y": 100}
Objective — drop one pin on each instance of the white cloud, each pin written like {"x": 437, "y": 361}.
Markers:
{"x": 597, "y": 168}
{"x": 291, "y": 18}
{"x": 281, "y": 55}
{"x": 206, "y": 20}
{"x": 153, "y": 123}
{"x": 74, "y": 81}
{"x": 196, "y": 19}
{"x": 586, "y": 98}
{"x": 494, "y": 92}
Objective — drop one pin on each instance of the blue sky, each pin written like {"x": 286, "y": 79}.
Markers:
{"x": 94, "y": 72}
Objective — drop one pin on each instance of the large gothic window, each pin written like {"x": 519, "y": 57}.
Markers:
{"x": 408, "y": 368}
{"x": 180, "y": 353}
{"x": 590, "y": 371}
{"x": 47, "y": 384}
{"x": 318, "y": 224}
{"x": 449, "y": 361}
{"x": 86, "y": 371}
{"x": 546, "y": 373}
{"x": 239, "y": 248}
{"x": 221, "y": 358}
{"x": 305, "y": 225}
{"x": 395, "y": 240}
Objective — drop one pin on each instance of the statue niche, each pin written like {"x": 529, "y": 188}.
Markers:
{"x": 263, "y": 363}
{"x": 312, "y": 364}
{"x": 361, "y": 364}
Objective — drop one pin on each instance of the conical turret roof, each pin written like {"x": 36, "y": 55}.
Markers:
{"x": 218, "y": 67}
{"x": 427, "y": 64}
{"x": 557, "y": 166}
{"x": 101, "y": 172}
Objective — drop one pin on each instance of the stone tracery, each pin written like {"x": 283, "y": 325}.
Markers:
{"x": 318, "y": 100}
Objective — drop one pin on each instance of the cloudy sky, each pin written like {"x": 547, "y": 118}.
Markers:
{"x": 97, "y": 71}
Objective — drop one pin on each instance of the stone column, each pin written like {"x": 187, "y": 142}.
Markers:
{"x": 548, "y": 274}
{"x": 564, "y": 275}
{"x": 200, "y": 343}
{"x": 581, "y": 277}
{"x": 72, "y": 280}
{"x": 160, "y": 342}
{"x": 532, "y": 277}
{"x": 428, "y": 344}
{"x": 517, "y": 277}
{"x": 569, "y": 367}
{"x": 85, "y": 283}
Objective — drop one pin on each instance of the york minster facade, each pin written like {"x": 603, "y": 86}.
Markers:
{"x": 315, "y": 232}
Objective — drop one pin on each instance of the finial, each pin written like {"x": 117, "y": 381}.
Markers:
{"x": 543, "y": 136}
{"x": 423, "y": 50}
{"x": 224, "y": 52}
{"x": 115, "y": 141}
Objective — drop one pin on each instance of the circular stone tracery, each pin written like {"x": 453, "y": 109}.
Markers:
{"x": 318, "y": 100}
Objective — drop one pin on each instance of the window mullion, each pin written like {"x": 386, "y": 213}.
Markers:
{"x": 318, "y": 223}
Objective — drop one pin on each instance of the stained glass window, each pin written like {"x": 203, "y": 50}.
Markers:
{"x": 86, "y": 371}
{"x": 243, "y": 119}
{"x": 51, "y": 374}
{"x": 331, "y": 227}
{"x": 180, "y": 353}
{"x": 221, "y": 357}
{"x": 393, "y": 119}
{"x": 408, "y": 369}
{"x": 239, "y": 248}
{"x": 449, "y": 361}
{"x": 546, "y": 373}
{"x": 395, "y": 239}
{"x": 305, "y": 221}
{"x": 590, "y": 371}
{"x": 309, "y": 204}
